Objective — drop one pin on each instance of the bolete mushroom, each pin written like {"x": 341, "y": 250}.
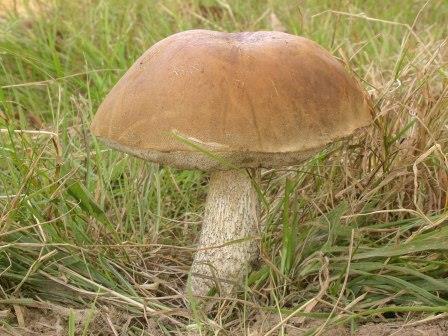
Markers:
{"x": 223, "y": 103}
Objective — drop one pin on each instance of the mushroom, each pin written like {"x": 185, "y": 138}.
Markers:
{"x": 230, "y": 104}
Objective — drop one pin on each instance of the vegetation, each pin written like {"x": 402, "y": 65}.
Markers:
{"x": 357, "y": 233}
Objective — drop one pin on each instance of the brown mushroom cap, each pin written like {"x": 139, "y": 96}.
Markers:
{"x": 255, "y": 99}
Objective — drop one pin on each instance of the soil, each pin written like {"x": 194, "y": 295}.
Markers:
{"x": 439, "y": 328}
{"x": 295, "y": 327}
{"x": 53, "y": 321}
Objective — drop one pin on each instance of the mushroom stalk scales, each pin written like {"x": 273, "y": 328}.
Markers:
{"x": 227, "y": 245}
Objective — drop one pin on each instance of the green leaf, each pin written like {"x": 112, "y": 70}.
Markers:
{"x": 88, "y": 205}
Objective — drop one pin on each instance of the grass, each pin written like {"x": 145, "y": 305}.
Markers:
{"x": 357, "y": 233}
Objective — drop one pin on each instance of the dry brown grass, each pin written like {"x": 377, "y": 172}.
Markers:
{"x": 22, "y": 8}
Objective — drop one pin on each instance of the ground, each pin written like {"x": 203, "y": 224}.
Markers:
{"x": 53, "y": 322}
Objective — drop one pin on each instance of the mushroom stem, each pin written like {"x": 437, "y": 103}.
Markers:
{"x": 227, "y": 244}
